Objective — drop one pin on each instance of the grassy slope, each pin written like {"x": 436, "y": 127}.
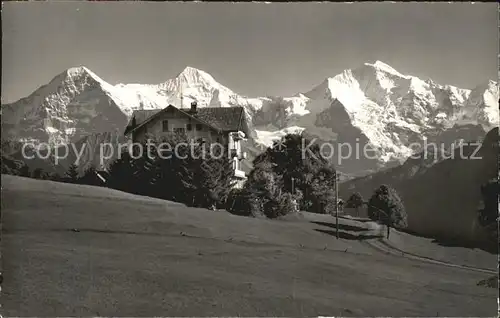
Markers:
{"x": 136, "y": 256}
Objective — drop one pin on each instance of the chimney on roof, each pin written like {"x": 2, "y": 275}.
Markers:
{"x": 193, "y": 107}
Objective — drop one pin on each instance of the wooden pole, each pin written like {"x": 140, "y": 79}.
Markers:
{"x": 336, "y": 204}
{"x": 182, "y": 96}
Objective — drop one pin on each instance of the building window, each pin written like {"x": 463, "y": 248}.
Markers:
{"x": 179, "y": 130}
{"x": 165, "y": 125}
{"x": 235, "y": 164}
{"x": 189, "y": 127}
{"x": 199, "y": 127}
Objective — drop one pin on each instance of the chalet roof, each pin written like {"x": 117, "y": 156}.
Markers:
{"x": 223, "y": 118}
{"x": 142, "y": 115}
{"x": 219, "y": 118}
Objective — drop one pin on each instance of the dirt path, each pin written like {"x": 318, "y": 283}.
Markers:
{"x": 384, "y": 246}
{"x": 420, "y": 249}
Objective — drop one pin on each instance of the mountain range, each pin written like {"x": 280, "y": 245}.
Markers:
{"x": 372, "y": 104}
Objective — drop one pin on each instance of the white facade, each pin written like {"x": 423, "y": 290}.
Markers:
{"x": 170, "y": 123}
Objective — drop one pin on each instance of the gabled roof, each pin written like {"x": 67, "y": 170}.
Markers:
{"x": 218, "y": 118}
{"x": 223, "y": 118}
{"x": 140, "y": 117}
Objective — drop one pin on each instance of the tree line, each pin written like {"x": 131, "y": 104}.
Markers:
{"x": 284, "y": 180}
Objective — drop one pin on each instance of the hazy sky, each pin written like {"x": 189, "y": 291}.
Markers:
{"x": 253, "y": 48}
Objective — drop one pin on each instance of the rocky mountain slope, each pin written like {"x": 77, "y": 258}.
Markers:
{"x": 372, "y": 105}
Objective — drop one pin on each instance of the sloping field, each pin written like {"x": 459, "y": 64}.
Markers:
{"x": 71, "y": 250}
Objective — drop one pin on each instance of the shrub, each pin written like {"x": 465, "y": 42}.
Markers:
{"x": 263, "y": 194}
{"x": 491, "y": 282}
{"x": 267, "y": 197}
{"x": 285, "y": 204}
{"x": 255, "y": 206}
{"x": 237, "y": 203}
{"x": 54, "y": 176}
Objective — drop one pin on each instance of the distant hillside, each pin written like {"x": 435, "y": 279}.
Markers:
{"x": 441, "y": 198}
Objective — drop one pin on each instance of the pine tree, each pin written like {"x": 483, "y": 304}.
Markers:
{"x": 206, "y": 180}
{"x": 216, "y": 179}
{"x": 120, "y": 176}
{"x": 71, "y": 175}
{"x": 143, "y": 174}
{"x": 488, "y": 214}
{"x": 166, "y": 182}
{"x": 188, "y": 175}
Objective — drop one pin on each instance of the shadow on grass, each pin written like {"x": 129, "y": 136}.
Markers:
{"x": 358, "y": 219}
{"x": 447, "y": 242}
{"x": 490, "y": 248}
{"x": 348, "y": 236}
{"x": 341, "y": 226}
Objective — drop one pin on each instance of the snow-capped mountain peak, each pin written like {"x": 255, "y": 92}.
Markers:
{"x": 78, "y": 70}
{"x": 381, "y": 66}
{"x": 393, "y": 110}
{"x": 83, "y": 73}
{"x": 194, "y": 75}
{"x": 373, "y": 103}
{"x": 195, "y": 84}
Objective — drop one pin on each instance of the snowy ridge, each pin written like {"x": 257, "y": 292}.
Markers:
{"x": 373, "y": 103}
{"x": 195, "y": 85}
{"x": 385, "y": 104}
